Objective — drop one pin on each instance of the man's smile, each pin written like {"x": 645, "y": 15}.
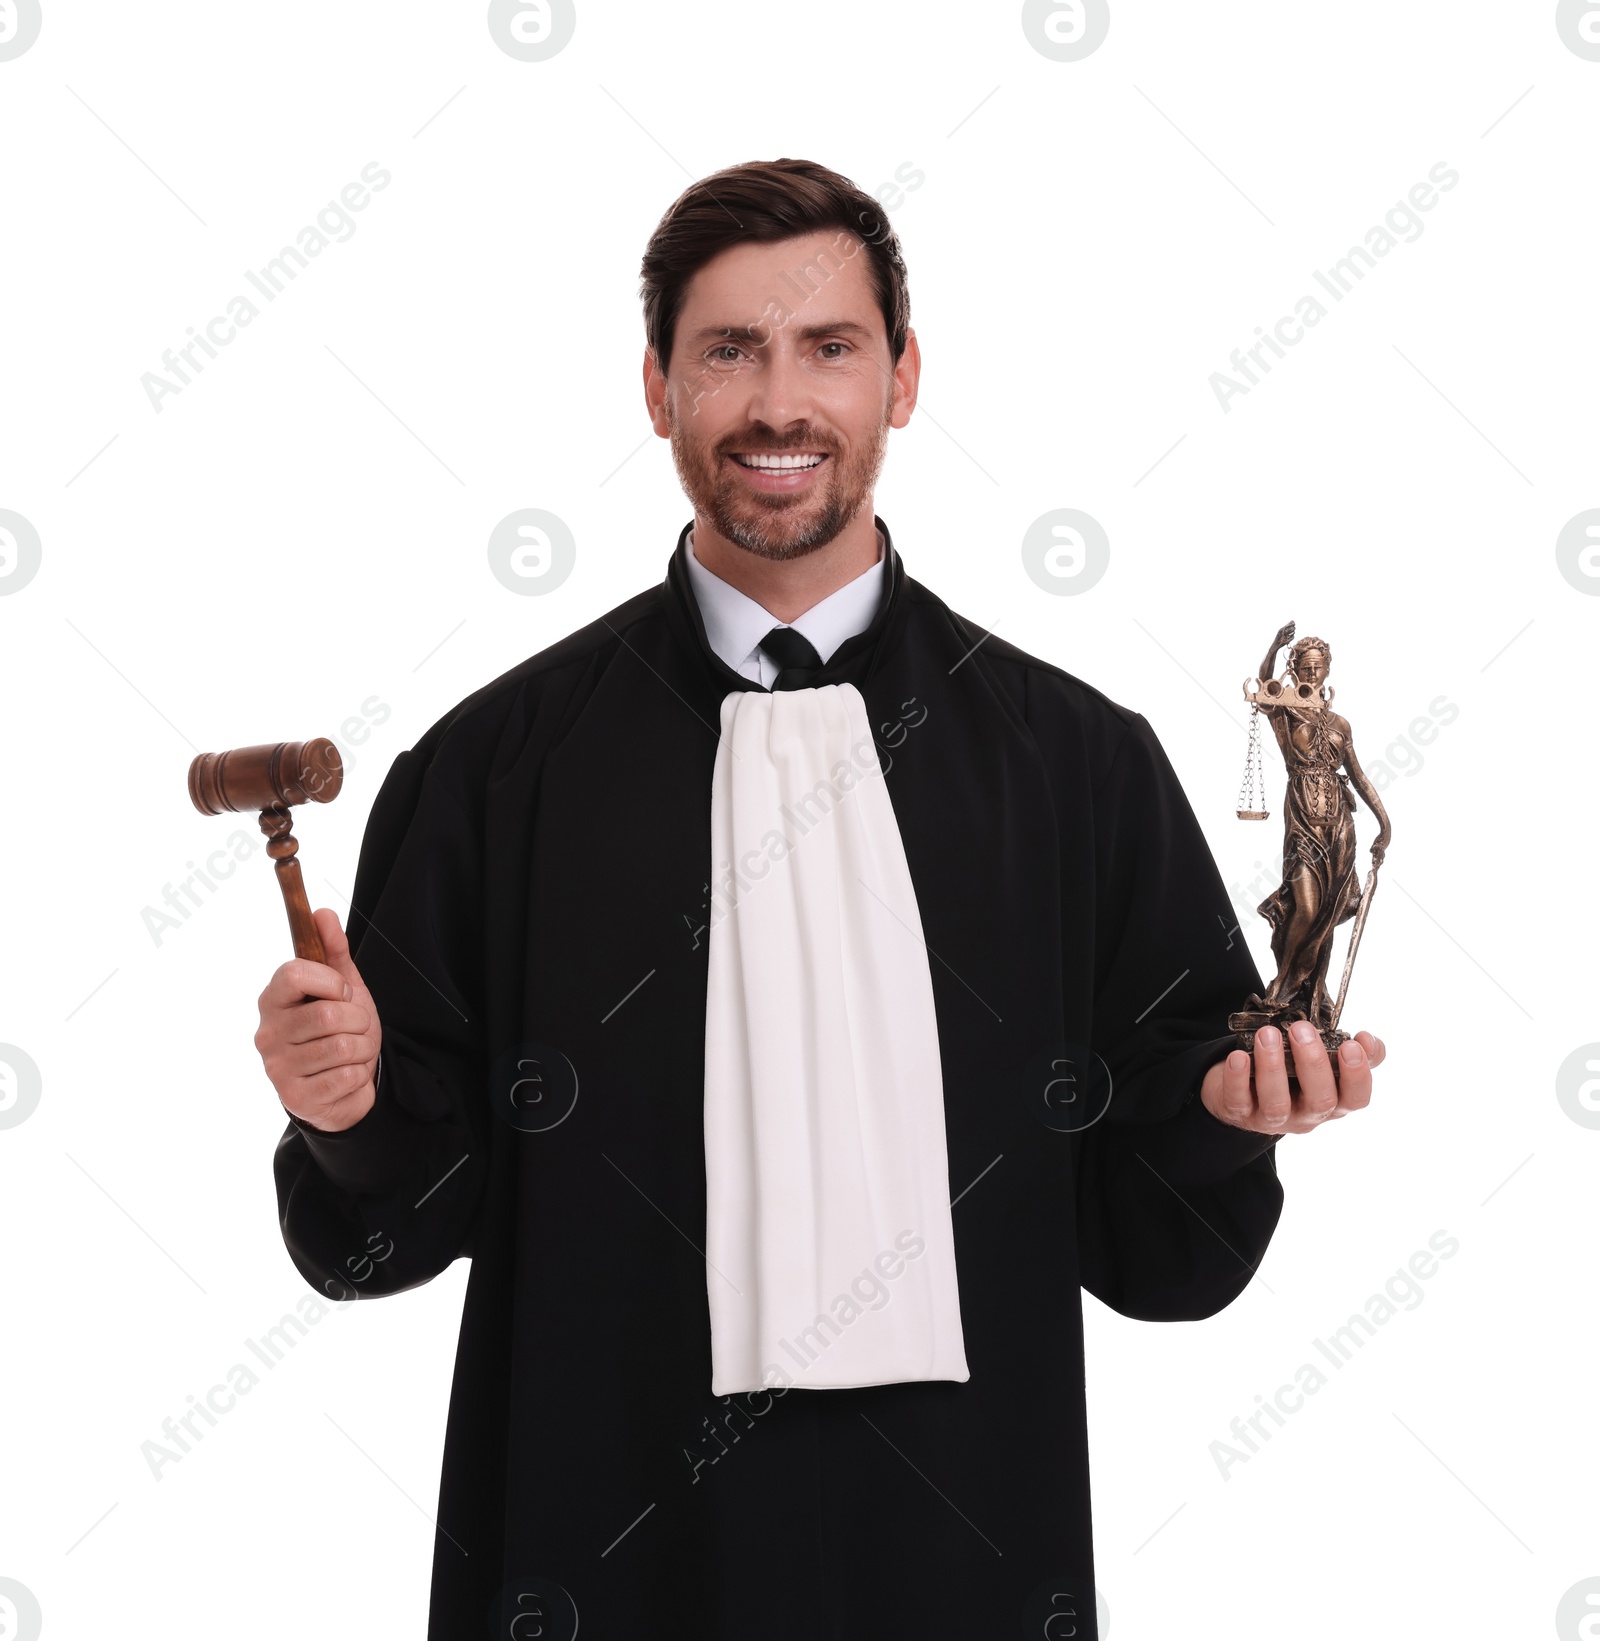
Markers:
{"x": 778, "y": 471}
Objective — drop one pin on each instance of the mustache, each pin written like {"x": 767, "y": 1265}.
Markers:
{"x": 776, "y": 444}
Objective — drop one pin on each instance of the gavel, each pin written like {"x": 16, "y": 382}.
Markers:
{"x": 272, "y": 778}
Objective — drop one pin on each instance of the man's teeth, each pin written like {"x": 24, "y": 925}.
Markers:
{"x": 778, "y": 464}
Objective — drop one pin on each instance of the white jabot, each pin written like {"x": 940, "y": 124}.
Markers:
{"x": 735, "y": 623}
{"x": 830, "y": 1257}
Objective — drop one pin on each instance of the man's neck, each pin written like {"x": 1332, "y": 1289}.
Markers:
{"x": 789, "y": 587}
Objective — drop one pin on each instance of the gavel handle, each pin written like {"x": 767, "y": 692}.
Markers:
{"x": 282, "y": 845}
{"x": 307, "y": 942}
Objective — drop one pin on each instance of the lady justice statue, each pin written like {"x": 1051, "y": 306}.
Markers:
{"x": 1320, "y": 887}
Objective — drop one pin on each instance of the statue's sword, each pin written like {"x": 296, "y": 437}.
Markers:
{"x": 1355, "y": 941}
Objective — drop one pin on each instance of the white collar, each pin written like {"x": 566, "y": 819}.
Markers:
{"x": 735, "y": 623}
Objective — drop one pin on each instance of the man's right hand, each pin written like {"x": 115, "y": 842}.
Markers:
{"x": 319, "y": 1036}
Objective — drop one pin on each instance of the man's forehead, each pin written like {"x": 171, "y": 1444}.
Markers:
{"x": 787, "y": 271}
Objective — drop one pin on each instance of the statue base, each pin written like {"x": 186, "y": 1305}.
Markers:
{"x": 1245, "y": 1024}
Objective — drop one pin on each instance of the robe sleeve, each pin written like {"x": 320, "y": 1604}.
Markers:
{"x": 393, "y": 1200}
{"x": 1175, "y": 1206}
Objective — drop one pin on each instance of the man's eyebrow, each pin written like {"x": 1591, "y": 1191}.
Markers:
{"x": 760, "y": 334}
{"x": 841, "y": 327}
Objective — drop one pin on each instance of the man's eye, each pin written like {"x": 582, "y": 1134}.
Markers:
{"x": 726, "y": 353}
{"x": 841, "y": 346}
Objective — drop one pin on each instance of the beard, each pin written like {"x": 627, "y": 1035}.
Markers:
{"x": 778, "y": 526}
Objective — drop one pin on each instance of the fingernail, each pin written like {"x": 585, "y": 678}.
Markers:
{"x": 348, "y": 994}
{"x": 1350, "y": 1053}
{"x": 1303, "y": 1032}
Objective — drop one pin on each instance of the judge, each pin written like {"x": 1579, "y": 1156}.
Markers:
{"x": 788, "y": 995}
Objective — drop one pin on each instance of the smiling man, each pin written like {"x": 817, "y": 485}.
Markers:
{"x": 770, "y": 987}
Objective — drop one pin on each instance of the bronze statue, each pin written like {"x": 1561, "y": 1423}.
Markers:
{"x": 1320, "y": 887}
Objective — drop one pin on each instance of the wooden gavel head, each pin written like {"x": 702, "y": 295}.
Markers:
{"x": 266, "y": 777}
{"x": 272, "y": 778}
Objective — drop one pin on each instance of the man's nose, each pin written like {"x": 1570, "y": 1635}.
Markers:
{"x": 782, "y": 391}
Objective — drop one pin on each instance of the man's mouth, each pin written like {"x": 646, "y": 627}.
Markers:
{"x": 760, "y": 461}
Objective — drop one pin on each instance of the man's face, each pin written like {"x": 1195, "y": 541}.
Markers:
{"x": 780, "y": 392}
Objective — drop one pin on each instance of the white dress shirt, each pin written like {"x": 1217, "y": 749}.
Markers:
{"x": 735, "y": 623}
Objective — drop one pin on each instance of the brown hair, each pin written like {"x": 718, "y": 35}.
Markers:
{"x": 759, "y": 202}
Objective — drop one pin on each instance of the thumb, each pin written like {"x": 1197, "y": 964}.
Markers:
{"x": 336, "y": 945}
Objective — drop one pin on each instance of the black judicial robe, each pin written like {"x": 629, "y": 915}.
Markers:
{"x": 530, "y": 913}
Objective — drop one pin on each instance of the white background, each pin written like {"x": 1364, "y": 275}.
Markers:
{"x": 304, "y": 528}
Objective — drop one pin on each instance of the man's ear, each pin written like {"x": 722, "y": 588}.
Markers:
{"x": 907, "y": 374}
{"x": 655, "y": 395}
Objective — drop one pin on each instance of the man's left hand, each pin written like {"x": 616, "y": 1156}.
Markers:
{"x": 1269, "y": 1108}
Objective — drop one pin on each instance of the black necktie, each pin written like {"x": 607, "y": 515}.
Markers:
{"x": 797, "y": 658}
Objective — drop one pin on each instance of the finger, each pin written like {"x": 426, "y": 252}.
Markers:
{"x": 1373, "y": 1046}
{"x": 1272, "y": 1080}
{"x": 339, "y": 1048}
{"x": 300, "y": 978}
{"x": 325, "y": 1087}
{"x": 336, "y": 945}
{"x": 314, "y": 1020}
{"x": 1355, "y": 1076}
{"x": 1238, "y": 1104}
{"x": 1319, "y": 1094}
